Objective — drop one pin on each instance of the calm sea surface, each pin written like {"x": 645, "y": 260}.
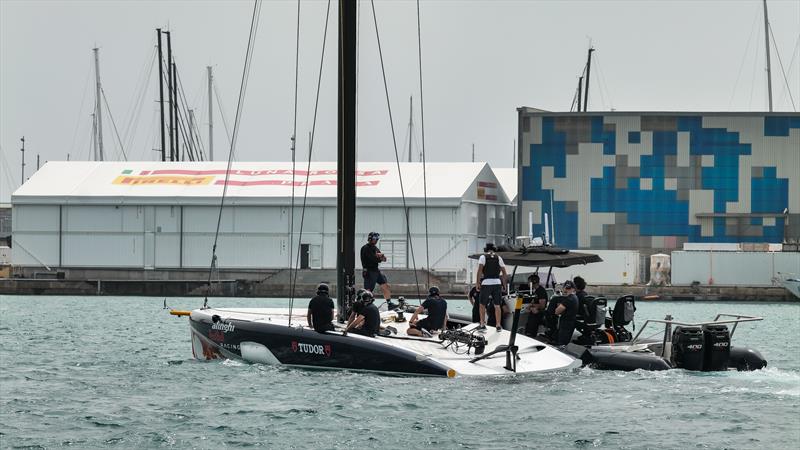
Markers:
{"x": 102, "y": 372}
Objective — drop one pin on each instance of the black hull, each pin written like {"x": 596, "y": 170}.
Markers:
{"x": 304, "y": 347}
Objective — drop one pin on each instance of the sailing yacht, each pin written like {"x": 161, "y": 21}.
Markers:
{"x": 279, "y": 336}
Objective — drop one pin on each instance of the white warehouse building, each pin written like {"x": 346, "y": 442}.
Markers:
{"x": 163, "y": 215}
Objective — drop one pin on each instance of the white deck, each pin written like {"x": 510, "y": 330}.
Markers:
{"x": 534, "y": 356}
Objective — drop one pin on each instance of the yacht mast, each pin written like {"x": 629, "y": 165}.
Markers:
{"x": 769, "y": 68}
{"x": 210, "y": 116}
{"x": 346, "y": 161}
{"x": 97, "y": 106}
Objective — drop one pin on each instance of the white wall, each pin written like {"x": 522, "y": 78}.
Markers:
{"x": 147, "y": 236}
{"x": 732, "y": 268}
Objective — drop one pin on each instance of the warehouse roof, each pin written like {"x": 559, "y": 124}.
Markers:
{"x": 61, "y": 182}
{"x": 507, "y": 177}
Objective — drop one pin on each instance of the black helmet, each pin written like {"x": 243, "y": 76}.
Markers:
{"x": 489, "y": 247}
{"x": 323, "y": 288}
{"x": 367, "y": 297}
{"x": 433, "y": 291}
{"x": 373, "y": 235}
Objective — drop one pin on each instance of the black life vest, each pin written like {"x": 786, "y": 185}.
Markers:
{"x": 491, "y": 269}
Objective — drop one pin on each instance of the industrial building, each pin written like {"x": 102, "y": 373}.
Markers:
{"x": 163, "y": 215}
{"x": 654, "y": 181}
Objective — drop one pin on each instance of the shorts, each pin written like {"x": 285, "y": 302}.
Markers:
{"x": 491, "y": 294}
{"x": 425, "y": 323}
{"x": 372, "y": 277}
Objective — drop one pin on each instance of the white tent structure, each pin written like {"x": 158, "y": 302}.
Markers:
{"x": 163, "y": 215}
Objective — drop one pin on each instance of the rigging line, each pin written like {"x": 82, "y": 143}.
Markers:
{"x": 783, "y": 71}
{"x": 80, "y": 110}
{"x": 310, "y": 152}
{"x": 744, "y": 58}
{"x": 603, "y": 85}
{"x": 221, "y": 109}
{"x": 424, "y": 162}
{"x": 791, "y": 62}
{"x": 114, "y": 123}
{"x": 396, "y": 154}
{"x": 142, "y": 81}
{"x": 290, "y": 244}
{"x": 242, "y": 89}
{"x": 189, "y": 138}
{"x": 753, "y": 79}
{"x": 196, "y": 142}
{"x": 130, "y": 133}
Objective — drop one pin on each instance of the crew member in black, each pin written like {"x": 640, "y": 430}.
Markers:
{"x": 474, "y": 300}
{"x": 320, "y": 310}
{"x": 536, "y": 307}
{"x": 583, "y": 306}
{"x": 567, "y": 309}
{"x": 437, "y": 315}
{"x": 371, "y": 256}
{"x": 490, "y": 284}
{"x": 367, "y": 319}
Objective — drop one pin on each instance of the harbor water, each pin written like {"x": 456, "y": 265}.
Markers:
{"x": 117, "y": 372}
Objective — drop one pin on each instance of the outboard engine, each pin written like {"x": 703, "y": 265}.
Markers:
{"x": 717, "y": 342}
{"x": 687, "y": 348}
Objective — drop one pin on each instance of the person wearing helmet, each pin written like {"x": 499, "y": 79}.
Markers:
{"x": 366, "y": 319}
{"x": 320, "y": 310}
{"x": 492, "y": 276}
{"x": 567, "y": 310}
{"x": 371, "y": 256}
{"x": 437, "y": 315}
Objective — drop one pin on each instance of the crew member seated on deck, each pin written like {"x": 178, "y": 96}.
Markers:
{"x": 437, "y": 315}
{"x": 365, "y": 318}
{"x": 566, "y": 310}
{"x": 320, "y": 310}
{"x": 536, "y": 307}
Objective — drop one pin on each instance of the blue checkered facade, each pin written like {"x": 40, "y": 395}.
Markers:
{"x": 657, "y": 180}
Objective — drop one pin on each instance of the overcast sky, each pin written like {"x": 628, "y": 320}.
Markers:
{"x": 481, "y": 60}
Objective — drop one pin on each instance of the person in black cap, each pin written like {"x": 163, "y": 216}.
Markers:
{"x": 320, "y": 310}
{"x": 491, "y": 284}
{"x": 366, "y": 319}
{"x": 566, "y": 310}
{"x": 371, "y": 256}
{"x": 437, "y": 315}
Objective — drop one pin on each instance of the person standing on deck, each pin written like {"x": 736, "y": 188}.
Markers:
{"x": 371, "y": 256}
{"x": 490, "y": 269}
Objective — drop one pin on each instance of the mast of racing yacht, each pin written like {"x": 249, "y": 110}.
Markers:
{"x": 346, "y": 160}
{"x": 766, "y": 42}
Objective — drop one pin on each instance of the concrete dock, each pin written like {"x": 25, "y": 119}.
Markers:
{"x": 277, "y": 283}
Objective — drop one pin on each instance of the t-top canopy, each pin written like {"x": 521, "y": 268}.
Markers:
{"x": 545, "y": 257}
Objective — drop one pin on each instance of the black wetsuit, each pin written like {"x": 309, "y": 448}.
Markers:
{"x": 566, "y": 322}
{"x": 321, "y": 308}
